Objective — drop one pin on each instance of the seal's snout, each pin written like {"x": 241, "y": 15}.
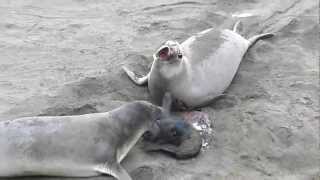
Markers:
{"x": 170, "y": 51}
{"x": 164, "y": 53}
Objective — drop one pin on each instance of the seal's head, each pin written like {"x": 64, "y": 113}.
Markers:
{"x": 170, "y": 128}
{"x": 168, "y": 60}
{"x": 172, "y": 134}
{"x": 170, "y": 52}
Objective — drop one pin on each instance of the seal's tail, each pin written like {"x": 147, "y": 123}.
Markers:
{"x": 255, "y": 38}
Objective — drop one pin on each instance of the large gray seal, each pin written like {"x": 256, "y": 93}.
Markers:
{"x": 74, "y": 146}
{"x": 197, "y": 70}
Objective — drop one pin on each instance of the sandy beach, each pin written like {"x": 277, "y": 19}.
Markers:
{"x": 64, "y": 57}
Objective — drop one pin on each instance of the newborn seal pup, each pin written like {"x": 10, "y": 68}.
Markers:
{"x": 173, "y": 134}
{"x": 74, "y": 146}
{"x": 197, "y": 70}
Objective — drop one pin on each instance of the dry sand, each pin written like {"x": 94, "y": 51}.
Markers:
{"x": 64, "y": 57}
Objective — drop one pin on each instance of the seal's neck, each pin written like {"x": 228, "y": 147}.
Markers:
{"x": 139, "y": 114}
{"x": 170, "y": 71}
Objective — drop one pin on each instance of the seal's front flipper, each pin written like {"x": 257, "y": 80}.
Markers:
{"x": 137, "y": 80}
{"x": 236, "y": 26}
{"x": 115, "y": 170}
{"x": 255, "y": 38}
{"x": 166, "y": 103}
{"x": 122, "y": 174}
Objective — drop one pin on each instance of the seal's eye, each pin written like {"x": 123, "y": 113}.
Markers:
{"x": 173, "y": 132}
{"x": 179, "y": 56}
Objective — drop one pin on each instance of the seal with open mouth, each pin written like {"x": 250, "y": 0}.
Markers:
{"x": 197, "y": 70}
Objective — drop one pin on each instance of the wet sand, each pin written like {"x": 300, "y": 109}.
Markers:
{"x": 64, "y": 57}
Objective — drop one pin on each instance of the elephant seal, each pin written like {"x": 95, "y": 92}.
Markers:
{"x": 74, "y": 146}
{"x": 197, "y": 70}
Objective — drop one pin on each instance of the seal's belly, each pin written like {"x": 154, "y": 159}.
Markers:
{"x": 214, "y": 58}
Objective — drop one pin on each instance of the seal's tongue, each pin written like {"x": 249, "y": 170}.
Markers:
{"x": 164, "y": 53}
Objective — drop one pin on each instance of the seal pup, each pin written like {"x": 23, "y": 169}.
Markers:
{"x": 74, "y": 146}
{"x": 173, "y": 134}
{"x": 175, "y": 137}
{"x": 197, "y": 70}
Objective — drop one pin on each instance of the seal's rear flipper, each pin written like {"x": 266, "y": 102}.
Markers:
{"x": 236, "y": 26}
{"x": 255, "y": 38}
{"x": 137, "y": 80}
{"x": 115, "y": 170}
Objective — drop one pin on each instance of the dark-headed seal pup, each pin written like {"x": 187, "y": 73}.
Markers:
{"x": 173, "y": 134}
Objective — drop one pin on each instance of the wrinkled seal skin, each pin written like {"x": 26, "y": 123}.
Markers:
{"x": 197, "y": 70}
{"x": 74, "y": 146}
{"x": 173, "y": 135}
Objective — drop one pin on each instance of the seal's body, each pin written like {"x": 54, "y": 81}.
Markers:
{"x": 197, "y": 70}
{"x": 74, "y": 146}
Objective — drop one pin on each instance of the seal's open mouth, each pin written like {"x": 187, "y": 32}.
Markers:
{"x": 169, "y": 51}
{"x": 164, "y": 53}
